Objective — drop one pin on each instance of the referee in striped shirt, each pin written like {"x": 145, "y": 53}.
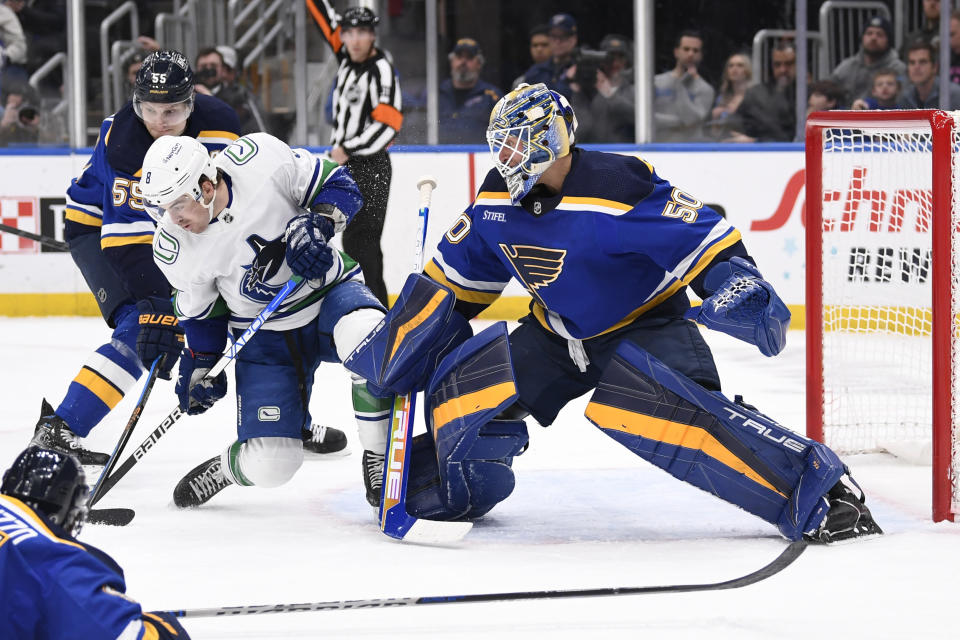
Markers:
{"x": 366, "y": 108}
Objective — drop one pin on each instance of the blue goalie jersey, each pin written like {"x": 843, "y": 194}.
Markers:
{"x": 52, "y": 586}
{"x": 617, "y": 243}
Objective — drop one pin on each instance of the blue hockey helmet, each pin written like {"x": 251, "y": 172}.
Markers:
{"x": 50, "y": 482}
{"x": 530, "y": 128}
{"x": 358, "y": 17}
{"x": 165, "y": 77}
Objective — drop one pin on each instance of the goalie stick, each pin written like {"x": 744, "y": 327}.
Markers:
{"x": 785, "y": 558}
{"x": 394, "y": 519}
{"x": 228, "y": 356}
{"x": 50, "y": 242}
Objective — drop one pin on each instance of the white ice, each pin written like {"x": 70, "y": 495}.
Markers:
{"x": 586, "y": 513}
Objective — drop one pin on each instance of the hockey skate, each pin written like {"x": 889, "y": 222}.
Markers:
{"x": 323, "y": 442}
{"x": 373, "y": 476}
{"x": 848, "y": 517}
{"x": 202, "y": 483}
{"x": 52, "y": 432}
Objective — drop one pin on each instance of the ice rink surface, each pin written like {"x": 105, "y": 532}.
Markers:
{"x": 586, "y": 513}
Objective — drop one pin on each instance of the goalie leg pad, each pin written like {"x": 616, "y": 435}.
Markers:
{"x": 724, "y": 448}
{"x": 403, "y": 351}
{"x": 472, "y": 451}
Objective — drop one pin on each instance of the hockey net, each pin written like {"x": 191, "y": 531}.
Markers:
{"x": 882, "y": 272}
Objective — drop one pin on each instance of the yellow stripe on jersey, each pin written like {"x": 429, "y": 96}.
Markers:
{"x": 166, "y": 625}
{"x": 467, "y": 295}
{"x": 493, "y": 198}
{"x": 82, "y": 217}
{"x": 461, "y": 406}
{"x": 708, "y": 256}
{"x": 26, "y": 512}
{"x": 99, "y": 386}
{"x": 122, "y": 241}
{"x": 106, "y": 138}
{"x": 674, "y": 433}
{"x": 596, "y": 202}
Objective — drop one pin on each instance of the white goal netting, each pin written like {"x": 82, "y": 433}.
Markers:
{"x": 877, "y": 259}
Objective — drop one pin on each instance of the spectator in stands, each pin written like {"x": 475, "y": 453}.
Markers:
{"x": 133, "y": 63}
{"x": 884, "y": 94}
{"x": 737, "y": 78}
{"x": 230, "y": 68}
{"x": 768, "y": 110}
{"x": 540, "y": 50}
{"x": 682, "y": 99}
{"x": 612, "y": 102}
{"x": 825, "y": 96}
{"x": 210, "y": 79}
{"x": 955, "y": 46}
{"x": 13, "y": 46}
{"x": 876, "y": 52}
{"x": 923, "y": 90}
{"x": 929, "y": 31}
{"x": 557, "y": 71}
{"x": 20, "y": 123}
{"x": 465, "y": 101}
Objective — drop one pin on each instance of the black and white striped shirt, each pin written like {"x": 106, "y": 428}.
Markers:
{"x": 366, "y": 99}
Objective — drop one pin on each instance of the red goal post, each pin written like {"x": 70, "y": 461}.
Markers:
{"x": 881, "y": 308}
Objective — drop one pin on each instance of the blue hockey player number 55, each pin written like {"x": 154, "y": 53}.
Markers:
{"x": 682, "y": 205}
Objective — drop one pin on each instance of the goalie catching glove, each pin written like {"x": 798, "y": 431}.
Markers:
{"x": 160, "y": 335}
{"x": 196, "y": 391}
{"x": 744, "y": 305}
{"x": 307, "y": 235}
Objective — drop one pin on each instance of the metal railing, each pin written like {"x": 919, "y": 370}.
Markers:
{"x": 841, "y": 25}
{"x": 764, "y": 42}
{"x": 110, "y": 55}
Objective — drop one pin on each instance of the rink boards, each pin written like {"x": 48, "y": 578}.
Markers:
{"x": 760, "y": 188}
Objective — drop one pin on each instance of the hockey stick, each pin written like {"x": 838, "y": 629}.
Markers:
{"x": 228, "y": 356}
{"x": 781, "y": 562}
{"x": 121, "y": 517}
{"x": 50, "y": 242}
{"x": 394, "y": 519}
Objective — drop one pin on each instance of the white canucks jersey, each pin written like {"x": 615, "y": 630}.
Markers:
{"x": 240, "y": 257}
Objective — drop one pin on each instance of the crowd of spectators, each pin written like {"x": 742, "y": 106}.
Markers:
{"x": 739, "y": 106}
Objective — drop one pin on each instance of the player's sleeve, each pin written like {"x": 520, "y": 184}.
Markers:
{"x": 386, "y": 115}
{"x": 313, "y": 180}
{"x": 84, "y": 210}
{"x": 678, "y": 232}
{"x": 328, "y": 21}
{"x": 468, "y": 267}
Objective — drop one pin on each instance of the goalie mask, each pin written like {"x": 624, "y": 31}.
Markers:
{"x": 530, "y": 128}
{"x": 172, "y": 172}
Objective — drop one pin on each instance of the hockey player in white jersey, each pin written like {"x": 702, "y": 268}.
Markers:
{"x": 231, "y": 232}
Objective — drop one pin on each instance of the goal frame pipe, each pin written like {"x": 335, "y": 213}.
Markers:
{"x": 941, "y": 126}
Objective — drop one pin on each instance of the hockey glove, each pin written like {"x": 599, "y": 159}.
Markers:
{"x": 745, "y": 306}
{"x": 308, "y": 253}
{"x": 196, "y": 391}
{"x": 160, "y": 334}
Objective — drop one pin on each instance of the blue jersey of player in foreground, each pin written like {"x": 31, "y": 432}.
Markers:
{"x": 54, "y": 586}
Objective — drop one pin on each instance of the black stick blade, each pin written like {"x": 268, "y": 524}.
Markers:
{"x": 117, "y": 517}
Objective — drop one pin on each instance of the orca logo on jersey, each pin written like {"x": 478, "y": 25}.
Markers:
{"x": 268, "y": 259}
{"x": 535, "y": 266}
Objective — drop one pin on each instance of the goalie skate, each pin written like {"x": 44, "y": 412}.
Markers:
{"x": 848, "y": 517}
{"x": 52, "y": 432}
{"x": 202, "y": 483}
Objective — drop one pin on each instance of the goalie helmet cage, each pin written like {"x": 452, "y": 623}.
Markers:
{"x": 881, "y": 269}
